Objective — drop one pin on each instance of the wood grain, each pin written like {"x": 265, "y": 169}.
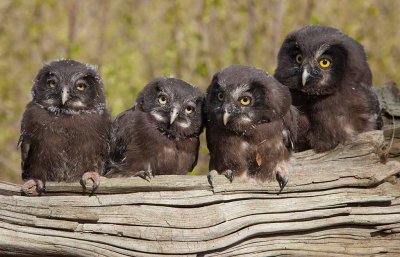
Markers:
{"x": 345, "y": 202}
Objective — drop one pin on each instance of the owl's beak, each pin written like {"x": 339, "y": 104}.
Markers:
{"x": 174, "y": 115}
{"x": 64, "y": 95}
{"x": 225, "y": 118}
{"x": 304, "y": 77}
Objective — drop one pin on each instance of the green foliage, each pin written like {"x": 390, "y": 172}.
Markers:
{"x": 133, "y": 42}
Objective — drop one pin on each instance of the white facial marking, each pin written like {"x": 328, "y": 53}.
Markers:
{"x": 183, "y": 124}
{"x": 320, "y": 51}
{"x": 157, "y": 116}
{"x": 78, "y": 103}
{"x": 245, "y": 119}
{"x": 49, "y": 101}
{"x": 237, "y": 92}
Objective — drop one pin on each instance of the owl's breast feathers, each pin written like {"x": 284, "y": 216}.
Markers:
{"x": 63, "y": 147}
{"x": 254, "y": 155}
{"x": 146, "y": 146}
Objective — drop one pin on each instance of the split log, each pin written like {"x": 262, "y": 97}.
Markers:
{"x": 345, "y": 202}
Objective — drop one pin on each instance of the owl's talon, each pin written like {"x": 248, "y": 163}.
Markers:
{"x": 282, "y": 180}
{"x": 29, "y": 184}
{"x": 144, "y": 174}
{"x": 210, "y": 177}
{"x": 94, "y": 176}
{"x": 229, "y": 175}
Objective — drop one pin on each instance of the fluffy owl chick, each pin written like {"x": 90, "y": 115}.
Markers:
{"x": 65, "y": 128}
{"x": 250, "y": 125}
{"x": 330, "y": 82}
{"x": 160, "y": 134}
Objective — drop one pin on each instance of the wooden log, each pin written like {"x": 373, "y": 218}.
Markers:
{"x": 345, "y": 202}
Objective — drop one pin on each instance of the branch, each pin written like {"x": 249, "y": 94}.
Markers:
{"x": 340, "y": 203}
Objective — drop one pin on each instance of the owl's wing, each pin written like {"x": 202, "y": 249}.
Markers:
{"x": 196, "y": 156}
{"x": 291, "y": 127}
{"x": 24, "y": 143}
{"x": 118, "y": 140}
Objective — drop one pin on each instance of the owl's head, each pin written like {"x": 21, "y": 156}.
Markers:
{"x": 317, "y": 60}
{"x": 240, "y": 97}
{"x": 174, "y": 105}
{"x": 69, "y": 87}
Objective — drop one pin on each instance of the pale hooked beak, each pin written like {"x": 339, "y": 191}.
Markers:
{"x": 226, "y": 117}
{"x": 304, "y": 77}
{"x": 64, "y": 95}
{"x": 174, "y": 115}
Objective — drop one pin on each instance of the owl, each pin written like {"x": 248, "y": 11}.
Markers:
{"x": 250, "y": 125}
{"x": 330, "y": 83}
{"x": 65, "y": 128}
{"x": 160, "y": 134}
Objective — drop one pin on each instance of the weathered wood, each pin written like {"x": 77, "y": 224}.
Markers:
{"x": 341, "y": 203}
{"x": 389, "y": 98}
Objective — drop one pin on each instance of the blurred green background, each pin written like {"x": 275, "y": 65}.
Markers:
{"x": 134, "y": 41}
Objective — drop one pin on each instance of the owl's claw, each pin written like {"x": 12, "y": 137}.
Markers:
{"x": 144, "y": 174}
{"x": 229, "y": 175}
{"x": 210, "y": 177}
{"x": 94, "y": 176}
{"x": 282, "y": 179}
{"x": 29, "y": 184}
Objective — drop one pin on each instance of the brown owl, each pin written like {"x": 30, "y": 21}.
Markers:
{"x": 160, "y": 134}
{"x": 330, "y": 83}
{"x": 250, "y": 125}
{"x": 65, "y": 128}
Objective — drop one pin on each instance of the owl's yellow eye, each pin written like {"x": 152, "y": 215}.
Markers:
{"x": 220, "y": 96}
{"x": 324, "y": 63}
{"x": 162, "y": 100}
{"x": 51, "y": 84}
{"x": 80, "y": 86}
{"x": 189, "y": 109}
{"x": 245, "y": 100}
{"x": 299, "y": 59}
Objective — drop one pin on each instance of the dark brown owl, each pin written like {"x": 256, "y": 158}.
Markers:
{"x": 65, "y": 128}
{"x": 330, "y": 82}
{"x": 160, "y": 134}
{"x": 250, "y": 125}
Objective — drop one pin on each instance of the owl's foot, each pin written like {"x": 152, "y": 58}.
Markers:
{"x": 282, "y": 175}
{"x": 144, "y": 174}
{"x": 94, "y": 176}
{"x": 229, "y": 175}
{"x": 29, "y": 184}
{"x": 210, "y": 177}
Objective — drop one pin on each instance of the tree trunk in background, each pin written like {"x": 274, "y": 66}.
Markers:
{"x": 250, "y": 31}
{"x": 72, "y": 27}
{"x": 340, "y": 203}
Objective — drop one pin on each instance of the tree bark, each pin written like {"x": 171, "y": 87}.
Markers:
{"x": 340, "y": 203}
